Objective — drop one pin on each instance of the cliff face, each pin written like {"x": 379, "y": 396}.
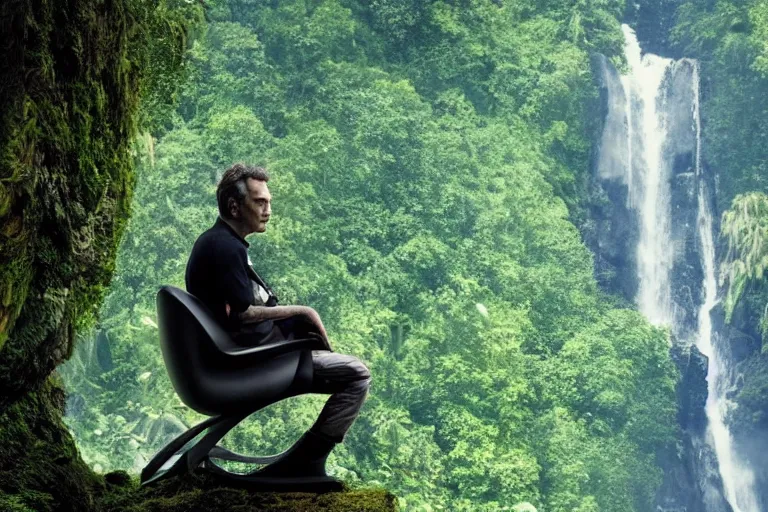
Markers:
{"x": 68, "y": 100}
{"x": 68, "y": 103}
{"x": 614, "y": 228}
{"x": 749, "y": 417}
{"x": 733, "y": 107}
{"x": 739, "y": 376}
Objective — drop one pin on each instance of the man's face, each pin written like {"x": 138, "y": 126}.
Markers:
{"x": 257, "y": 206}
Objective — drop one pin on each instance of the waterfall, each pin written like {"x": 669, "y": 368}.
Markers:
{"x": 647, "y": 180}
{"x": 651, "y": 144}
{"x": 738, "y": 479}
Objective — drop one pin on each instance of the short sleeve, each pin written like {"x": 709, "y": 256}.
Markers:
{"x": 232, "y": 280}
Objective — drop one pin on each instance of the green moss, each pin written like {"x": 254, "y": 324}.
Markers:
{"x": 67, "y": 118}
{"x": 201, "y": 492}
{"x": 12, "y": 503}
{"x": 72, "y": 75}
{"x": 41, "y": 471}
{"x": 40, "y": 468}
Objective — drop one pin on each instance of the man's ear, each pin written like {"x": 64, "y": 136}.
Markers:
{"x": 234, "y": 208}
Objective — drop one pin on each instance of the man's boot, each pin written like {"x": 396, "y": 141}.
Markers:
{"x": 306, "y": 458}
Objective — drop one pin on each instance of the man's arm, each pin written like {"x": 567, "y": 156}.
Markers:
{"x": 231, "y": 278}
{"x": 261, "y": 313}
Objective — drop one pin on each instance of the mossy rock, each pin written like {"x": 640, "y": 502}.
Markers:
{"x": 73, "y": 76}
{"x": 40, "y": 467}
{"x": 41, "y": 471}
{"x": 69, "y": 98}
{"x": 203, "y": 492}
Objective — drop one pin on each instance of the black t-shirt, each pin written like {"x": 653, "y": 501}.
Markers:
{"x": 218, "y": 273}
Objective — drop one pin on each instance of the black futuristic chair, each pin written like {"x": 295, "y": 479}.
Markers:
{"x": 228, "y": 382}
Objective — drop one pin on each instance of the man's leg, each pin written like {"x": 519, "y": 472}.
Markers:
{"x": 342, "y": 376}
{"x": 348, "y": 380}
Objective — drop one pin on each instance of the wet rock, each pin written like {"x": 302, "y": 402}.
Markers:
{"x": 692, "y": 388}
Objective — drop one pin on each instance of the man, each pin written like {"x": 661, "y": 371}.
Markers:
{"x": 219, "y": 273}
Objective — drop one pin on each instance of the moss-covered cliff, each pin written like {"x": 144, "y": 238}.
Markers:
{"x": 71, "y": 79}
{"x": 68, "y": 100}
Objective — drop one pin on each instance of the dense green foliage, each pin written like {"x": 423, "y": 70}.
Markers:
{"x": 424, "y": 157}
{"x": 745, "y": 226}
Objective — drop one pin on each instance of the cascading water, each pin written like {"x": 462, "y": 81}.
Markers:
{"x": 738, "y": 479}
{"x": 647, "y": 191}
{"x": 651, "y": 144}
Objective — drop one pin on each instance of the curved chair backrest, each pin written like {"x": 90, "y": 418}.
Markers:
{"x": 205, "y": 377}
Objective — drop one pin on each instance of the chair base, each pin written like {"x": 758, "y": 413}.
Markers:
{"x": 272, "y": 484}
{"x": 185, "y": 454}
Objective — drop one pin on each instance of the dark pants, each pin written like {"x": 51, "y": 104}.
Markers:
{"x": 342, "y": 376}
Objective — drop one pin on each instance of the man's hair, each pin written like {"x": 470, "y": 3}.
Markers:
{"x": 233, "y": 184}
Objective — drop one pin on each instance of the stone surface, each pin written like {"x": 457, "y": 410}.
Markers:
{"x": 692, "y": 388}
{"x": 202, "y": 492}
